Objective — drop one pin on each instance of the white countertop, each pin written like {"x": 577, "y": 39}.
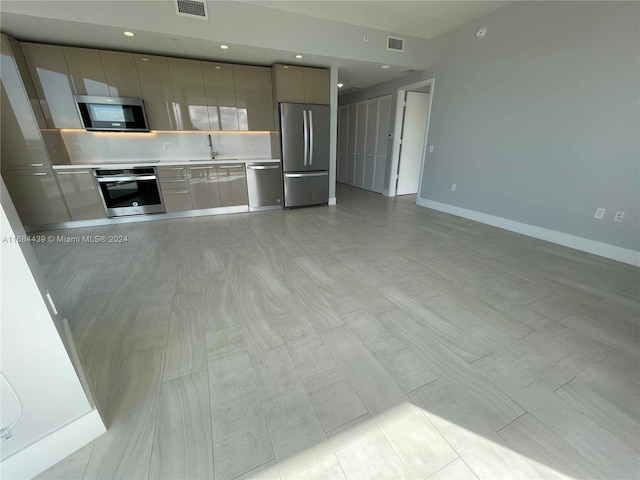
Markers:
{"x": 221, "y": 160}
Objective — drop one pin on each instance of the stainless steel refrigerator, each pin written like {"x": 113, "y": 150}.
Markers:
{"x": 304, "y": 131}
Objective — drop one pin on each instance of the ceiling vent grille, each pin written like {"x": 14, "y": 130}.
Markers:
{"x": 395, "y": 44}
{"x": 191, "y": 8}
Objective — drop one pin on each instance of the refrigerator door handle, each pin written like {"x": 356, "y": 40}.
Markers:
{"x": 310, "y": 137}
{"x": 302, "y": 175}
{"x": 305, "y": 128}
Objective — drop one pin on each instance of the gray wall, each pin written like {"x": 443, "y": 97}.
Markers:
{"x": 539, "y": 122}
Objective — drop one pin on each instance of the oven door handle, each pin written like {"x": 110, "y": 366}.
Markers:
{"x": 126, "y": 179}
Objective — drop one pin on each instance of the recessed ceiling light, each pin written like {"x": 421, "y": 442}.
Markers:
{"x": 340, "y": 85}
{"x": 144, "y": 59}
{"x": 298, "y": 56}
{"x": 129, "y": 34}
{"x": 286, "y": 66}
{"x": 385, "y": 67}
{"x": 224, "y": 47}
{"x": 218, "y": 67}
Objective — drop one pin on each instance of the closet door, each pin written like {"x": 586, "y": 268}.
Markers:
{"x": 361, "y": 138}
{"x": 370, "y": 144}
{"x": 343, "y": 138}
{"x": 351, "y": 144}
{"x": 382, "y": 142}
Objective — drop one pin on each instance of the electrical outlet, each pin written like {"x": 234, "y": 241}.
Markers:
{"x": 453, "y": 187}
{"x": 166, "y": 146}
{"x": 599, "y": 213}
{"x": 618, "y": 216}
{"x": 251, "y": 147}
{"x": 78, "y": 147}
{"x": 430, "y": 148}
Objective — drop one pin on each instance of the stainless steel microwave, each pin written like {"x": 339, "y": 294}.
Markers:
{"x": 112, "y": 114}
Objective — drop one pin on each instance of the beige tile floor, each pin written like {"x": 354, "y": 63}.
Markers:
{"x": 376, "y": 339}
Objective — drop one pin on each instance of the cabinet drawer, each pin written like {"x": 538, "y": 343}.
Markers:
{"x": 174, "y": 183}
{"x": 176, "y": 200}
{"x": 172, "y": 172}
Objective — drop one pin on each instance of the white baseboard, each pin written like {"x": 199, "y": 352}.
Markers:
{"x": 386, "y": 192}
{"x": 332, "y": 201}
{"x": 46, "y": 452}
{"x": 623, "y": 255}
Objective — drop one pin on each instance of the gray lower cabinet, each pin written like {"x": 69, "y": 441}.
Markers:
{"x": 232, "y": 180}
{"x": 81, "y": 194}
{"x": 177, "y": 200}
{"x": 203, "y": 184}
{"x": 175, "y": 189}
{"x": 36, "y": 196}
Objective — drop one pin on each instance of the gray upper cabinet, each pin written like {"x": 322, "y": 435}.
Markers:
{"x": 301, "y": 84}
{"x": 87, "y": 73}
{"x": 21, "y": 143}
{"x": 221, "y": 95}
{"x": 120, "y": 72}
{"x": 288, "y": 83}
{"x": 50, "y": 74}
{"x": 157, "y": 91}
{"x": 190, "y": 102}
{"x": 317, "y": 86}
{"x": 254, "y": 97}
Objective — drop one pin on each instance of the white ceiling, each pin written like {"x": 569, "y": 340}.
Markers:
{"x": 425, "y": 19}
{"x": 262, "y": 33}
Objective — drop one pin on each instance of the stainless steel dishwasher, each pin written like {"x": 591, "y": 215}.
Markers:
{"x": 264, "y": 182}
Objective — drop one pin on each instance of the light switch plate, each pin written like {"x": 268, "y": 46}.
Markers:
{"x": 599, "y": 213}
{"x": 430, "y": 148}
{"x": 453, "y": 187}
{"x": 618, "y": 216}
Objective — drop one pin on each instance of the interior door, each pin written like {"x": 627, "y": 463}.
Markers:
{"x": 343, "y": 139}
{"x": 370, "y": 144}
{"x": 351, "y": 143}
{"x": 382, "y": 140}
{"x": 414, "y": 131}
{"x": 361, "y": 138}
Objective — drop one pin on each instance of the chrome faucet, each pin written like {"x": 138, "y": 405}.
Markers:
{"x": 213, "y": 152}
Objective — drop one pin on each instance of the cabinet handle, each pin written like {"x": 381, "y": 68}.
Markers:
{"x": 231, "y": 166}
{"x": 171, "y": 168}
{"x": 199, "y": 168}
{"x": 38, "y": 174}
{"x": 175, "y": 192}
{"x": 179, "y": 180}
{"x": 37, "y": 164}
{"x": 73, "y": 173}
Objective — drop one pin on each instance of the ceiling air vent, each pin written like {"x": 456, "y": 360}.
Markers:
{"x": 396, "y": 44}
{"x": 191, "y": 8}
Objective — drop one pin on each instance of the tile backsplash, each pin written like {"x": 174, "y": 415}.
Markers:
{"x": 106, "y": 147}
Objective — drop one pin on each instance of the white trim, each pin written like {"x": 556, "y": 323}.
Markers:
{"x": 397, "y": 135}
{"x": 46, "y": 452}
{"x": 620, "y": 254}
{"x": 332, "y": 201}
{"x": 385, "y": 192}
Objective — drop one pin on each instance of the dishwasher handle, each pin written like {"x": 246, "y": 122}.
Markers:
{"x": 262, "y": 167}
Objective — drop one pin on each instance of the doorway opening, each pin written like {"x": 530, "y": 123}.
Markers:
{"x": 413, "y": 112}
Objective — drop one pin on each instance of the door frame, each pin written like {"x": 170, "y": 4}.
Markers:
{"x": 395, "y": 154}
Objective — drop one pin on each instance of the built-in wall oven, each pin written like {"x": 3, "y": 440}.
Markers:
{"x": 130, "y": 191}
